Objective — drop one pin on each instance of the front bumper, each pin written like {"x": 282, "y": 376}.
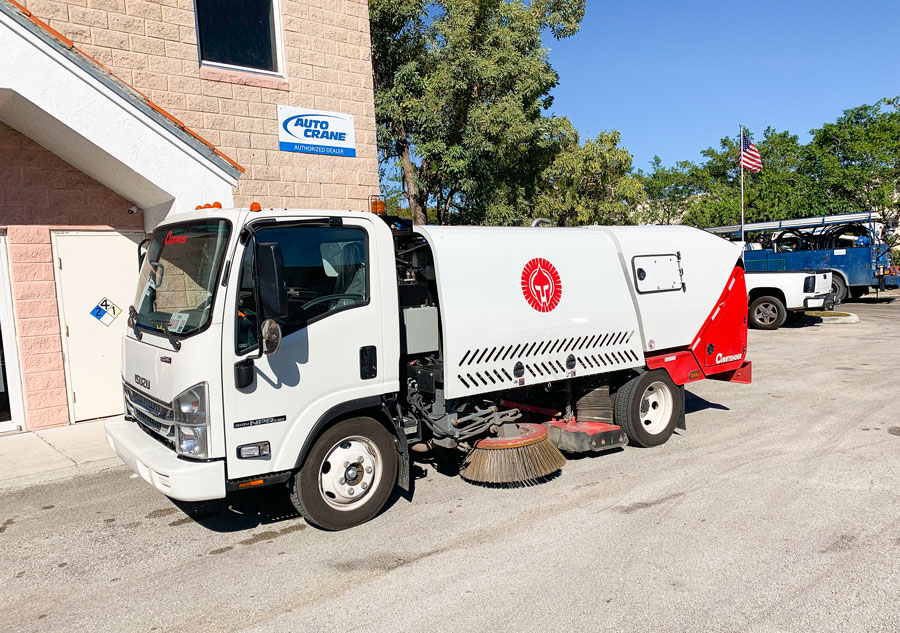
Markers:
{"x": 160, "y": 467}
{"x": 823, "y": 302}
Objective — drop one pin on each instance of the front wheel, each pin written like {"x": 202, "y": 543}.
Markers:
{"x": 767, "y": 313}
{"x": 348, "y": 475}
{"x": 648, "y": 407}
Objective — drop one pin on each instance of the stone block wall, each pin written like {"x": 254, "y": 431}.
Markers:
{"x": 39, "y": 192}
{"x": 152, "y": 46}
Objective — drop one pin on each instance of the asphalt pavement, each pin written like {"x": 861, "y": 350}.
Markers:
{"x": 777, "y": 510}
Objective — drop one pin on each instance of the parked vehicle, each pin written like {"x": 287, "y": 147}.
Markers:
{"x": 773, "y": 295}
{"x": 316, "y": 347}
{"x": 851, "y": 246}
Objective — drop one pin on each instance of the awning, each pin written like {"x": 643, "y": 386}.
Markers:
{"x": 75, "y": 107}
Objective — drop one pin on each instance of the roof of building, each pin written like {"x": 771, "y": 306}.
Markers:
{"x": 110, "y": 79}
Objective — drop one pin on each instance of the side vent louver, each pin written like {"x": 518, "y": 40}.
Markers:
{"x": 484, "y": 369}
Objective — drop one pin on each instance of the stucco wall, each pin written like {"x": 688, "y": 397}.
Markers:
{"x": 152, "y": 46}
{"x": 40, "y": 192}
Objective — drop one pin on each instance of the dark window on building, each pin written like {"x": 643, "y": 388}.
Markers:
{"x": 325, "y": 271}
{"x": 238, "y": 33}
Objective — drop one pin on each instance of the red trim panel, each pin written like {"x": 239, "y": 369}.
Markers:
{"x": 743, "y": 374}
{"x": 682, "y": 366}
{"x": 719, "y": 348}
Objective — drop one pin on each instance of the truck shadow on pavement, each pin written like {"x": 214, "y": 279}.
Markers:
{"x": 246, "y": 510}
{"x": 694, "y": 403}
{"x": 239, "y": 511}
{"x": 873, "y": 300}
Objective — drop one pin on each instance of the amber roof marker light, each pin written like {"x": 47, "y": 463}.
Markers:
{"x": 376, "y": 205}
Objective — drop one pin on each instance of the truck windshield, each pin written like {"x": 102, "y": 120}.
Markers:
{"x": 178, "y": 277}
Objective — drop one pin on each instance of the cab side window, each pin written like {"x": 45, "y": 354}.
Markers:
{"x": 326, "y": 270}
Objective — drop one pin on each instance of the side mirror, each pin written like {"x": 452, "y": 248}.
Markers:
{"x": 270, "y": 277}
{"x": 141, "y": 252}
{"x": 271, "y": 336}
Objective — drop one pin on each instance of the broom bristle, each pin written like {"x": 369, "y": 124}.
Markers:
{"x": 514, "y": 466}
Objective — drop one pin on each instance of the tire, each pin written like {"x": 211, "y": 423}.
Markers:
{"x": 857, "y": 292}
{"x": 317, "y": 491}
{"x": 648, "y": 407}
{"x": 767, "y": 313}
{"x": 838, "y": 287}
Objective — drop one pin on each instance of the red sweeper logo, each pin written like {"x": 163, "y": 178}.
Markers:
{"x": 541, "y": 285}
{"x": 175, "y": 239}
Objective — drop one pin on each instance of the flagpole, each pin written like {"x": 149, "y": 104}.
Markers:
{"x": 741, "y": 167}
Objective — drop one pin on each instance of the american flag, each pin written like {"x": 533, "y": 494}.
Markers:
{"x": 749, "y": 155}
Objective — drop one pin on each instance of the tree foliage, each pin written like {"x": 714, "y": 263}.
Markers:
{"x": 856, "y": 160}
{"x": 589, "y": 184}
{"x": 850, "y": 165}
{"x": 460, "y": 91}
{"x": 670, "y": 192}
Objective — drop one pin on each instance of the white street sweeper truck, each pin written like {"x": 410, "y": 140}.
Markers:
{"x": 320, "y": 348}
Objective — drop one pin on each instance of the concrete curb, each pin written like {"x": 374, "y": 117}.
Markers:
{"x": 850, "y": 318}
{"x": 55, "y": 454}
{"x": 26, "y": 480}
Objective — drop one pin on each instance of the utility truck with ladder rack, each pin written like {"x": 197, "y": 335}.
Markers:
{"x": 318, "y": 349}
{"x": 851, "y": 246}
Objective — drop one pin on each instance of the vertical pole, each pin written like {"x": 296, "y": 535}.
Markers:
{"x": 741, "y": 167}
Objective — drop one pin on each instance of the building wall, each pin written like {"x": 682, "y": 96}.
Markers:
{"x": 152, "y": 46}
{"x": 40, "y": 192}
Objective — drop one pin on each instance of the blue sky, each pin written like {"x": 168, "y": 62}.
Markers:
{"x": 674, "y": 77}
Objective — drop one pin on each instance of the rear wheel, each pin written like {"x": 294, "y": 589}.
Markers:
{"x": 839, "y": 288}
{"x": 348, "y": 475}
{"x": 648, "y": 407}
{"x": 767, "y": 313}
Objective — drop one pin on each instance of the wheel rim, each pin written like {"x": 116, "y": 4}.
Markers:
{"x": 656, "y": 407}
{"x": 349, "y": 473}
{"x": 766, "y": 313}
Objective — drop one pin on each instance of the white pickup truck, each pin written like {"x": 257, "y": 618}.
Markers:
{"x": 772, "y": 295}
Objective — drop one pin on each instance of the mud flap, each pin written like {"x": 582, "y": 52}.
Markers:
{"x": 402, "y": 444}
{"x": 403, "y": 470}
{"x": 682, "y": 418}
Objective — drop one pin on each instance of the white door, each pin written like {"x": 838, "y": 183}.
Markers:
{"x": 96, "y": 273}
{"x": 332, "y": 331}
{"x": 12, "y": 411}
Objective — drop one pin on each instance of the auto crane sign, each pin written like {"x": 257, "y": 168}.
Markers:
{"x": 315, "y": 132}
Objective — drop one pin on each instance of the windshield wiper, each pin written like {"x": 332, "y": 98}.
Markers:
{"x": 133, "y": 322}
{"x": 174, "y": 342}
{"x": 133, "y": 317}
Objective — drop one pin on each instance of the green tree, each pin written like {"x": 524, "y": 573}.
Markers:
{"x": 850, "y": 165}
{"x": 856, "y": 160}
{"x": 460, "y": 91}
{"x": 783, "y": 189}
{"x": 670, "y": 191}
{"x": 589, "y": 183}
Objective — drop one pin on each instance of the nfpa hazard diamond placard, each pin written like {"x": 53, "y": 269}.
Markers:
{"x": 106, "y": 311}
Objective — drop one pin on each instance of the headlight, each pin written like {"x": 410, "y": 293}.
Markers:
{"x": 192, "y": 422}
{"x": 192, "y": 441}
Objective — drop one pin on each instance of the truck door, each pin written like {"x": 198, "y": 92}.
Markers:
{"x": 331, "y": 351}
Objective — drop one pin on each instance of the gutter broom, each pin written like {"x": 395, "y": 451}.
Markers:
{"x": 522, "y": 455}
